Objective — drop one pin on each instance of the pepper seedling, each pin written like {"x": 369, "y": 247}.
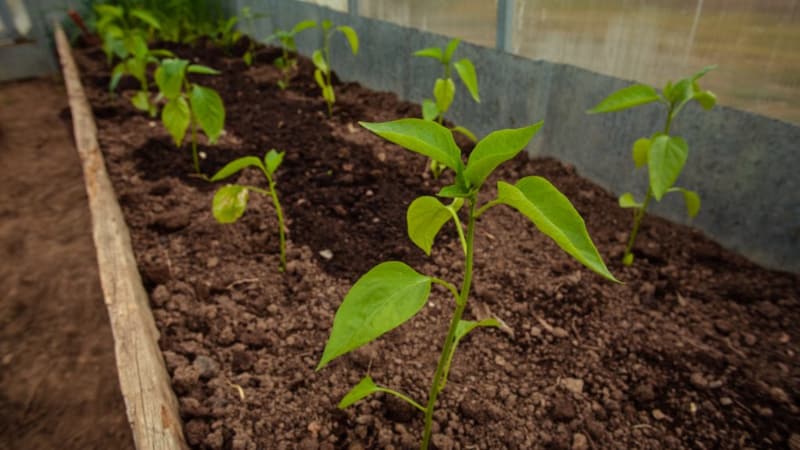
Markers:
{"x": 322, "y": 59}
{"x": 444, "y": 89}
{"x": 287, "y": 62}
{"x": 664, "y": 155}
{"x": 392, "y": 292}
{"x": 139, "y": 59}
{"x": 250, "y": 17}
{"x": 189, "y": 104}
{"x": 117, "y": 25}
{"x": 230, "y": 201}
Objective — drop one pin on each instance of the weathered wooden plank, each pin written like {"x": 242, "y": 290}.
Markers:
{"x": 150, "y": 403}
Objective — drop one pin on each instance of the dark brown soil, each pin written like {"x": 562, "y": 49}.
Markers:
{"x": 698, "y": 349}
{"x": 58, "y": 379}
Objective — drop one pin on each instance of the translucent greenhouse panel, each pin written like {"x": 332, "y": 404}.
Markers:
{"x": 471, "y": 20}
{"x": 338, "y": 5}
{"x": 755, "y": 43}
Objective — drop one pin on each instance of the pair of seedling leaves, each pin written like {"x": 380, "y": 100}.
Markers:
{"x": 664, "y": 155}
{"x": 322, "y": 59}
{"x": 392, "y": 292}
{"x": 287, "y": 61}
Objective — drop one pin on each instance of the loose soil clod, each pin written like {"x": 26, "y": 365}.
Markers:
{"x": 697, "y": 350}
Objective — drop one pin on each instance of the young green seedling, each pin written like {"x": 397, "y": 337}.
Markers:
{"x": 444, "y": 89}
{"x": 322, "y": 60}
{"x": 392, "y": 292}
{"x": 249, "y": 16}
{"x": 139, "y": 59}
{"x": 188, "y": 103}
{"x": 230, "y": 201}
{"x": 287, "y": 62}
{"x": 117, "y": 25}
{"x": 226, "y": 35}
{"x": 664, "y": 155}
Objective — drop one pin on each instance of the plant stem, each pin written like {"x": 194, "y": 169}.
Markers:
{"x": 195, "y": 158}
{"x": 327, "y": 50}
{"x": 443, "y": 367}
{"x": 637, "y": 220}
{"x": 279, "y": 211}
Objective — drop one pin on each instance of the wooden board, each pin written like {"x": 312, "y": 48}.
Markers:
{"x": 149, "y": 401}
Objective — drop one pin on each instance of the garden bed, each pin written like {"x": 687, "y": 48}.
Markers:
{"x": 698, "y": 349}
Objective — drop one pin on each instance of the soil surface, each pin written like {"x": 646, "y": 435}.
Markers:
{"x": 697, "y": 349}
{"x": 58, "y": 378}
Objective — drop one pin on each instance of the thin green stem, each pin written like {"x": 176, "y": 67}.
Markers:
{"x": 442, "y": 368}
{"x": 459, "y": 229}
{"x": 401, "y": 396}
{"x": 195, "y": 157}
{"x": 637, "y": 221}
{"x": 450, "y": 287}
{"x": 273, "y": 193}
{"x": 486, "y": 206}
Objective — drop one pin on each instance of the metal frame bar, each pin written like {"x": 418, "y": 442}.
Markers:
{"x": 352, "y": 7}
{"x": 505, "y": 25}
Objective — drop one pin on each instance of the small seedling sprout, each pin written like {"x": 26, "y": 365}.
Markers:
{"x": 664, "y": 155}
{"x": 189, "y": 104}
{"x": 287, "y": 62}
{"x": 392, "y": 292}
{"x": 322, "y": 60}
{"x": 230, "y": 201}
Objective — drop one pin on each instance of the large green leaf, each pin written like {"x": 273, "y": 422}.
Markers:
{"x": 425, "y": 217}
{"x": 235, "y": 166}
{"x": 352, "y": 37}
{"x": 468, "y": 76}
{"x": 169, "y": 77}
{"x": 431, "y": 52}
{"x": 666, "y": 160}
{"x": 691, "y": 198}
{"x": 229, "y": 203}
{"x": 421, "y": 136}
{"x": 381, "y": 300}
{"x": 443, "y": 92}
{"x": 208, "y": 110}
{"x": 364, "y": 388}
{"x": 641, "y": 150}
{"x": 495, "y": 149}
{"x": 450, "y": 49}
{"x": 176, "y": 118}
{"x": 638, "y": 94}
{"x": 553, "y": 215}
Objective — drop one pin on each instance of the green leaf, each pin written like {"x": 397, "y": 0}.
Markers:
{"x": 553, "y": 215}
{"x": 273, "y": 160}
{"x": 208, "y": 110}
{"x": 638, "y": 94}
{"x": 641, "y": 148}
{"x": 429, "y": 110}
{"x": 328, "y": 94}
{"x": 352, "y": 37}
{"x": 627, "y": 200}
{"x": 364, "y": 388}
{"x": 116, "y": 75}
{"x": 319, "y": 61}
{"x": 169, "y": 77}
{"x": 443, "y": 92}
{"x": 465, "y": 326}
{"x": 230, "y": 203}
{"x": 146, "y": 17}
{"x": 431, "y": 52}
{"x": 469, "y": 134}
{"x": 202, "y": 70}
{"x": 319, "y": 79}
{"x": 237, "y": 165}
{"x": 451, "y": 48}
{"x": 302, "y": 26}
{"x": 421, "y": 136}
{"x": 667, "y": 156}
{"x": 453, "y": 191}
{"x": 381, "y": 300}
{"x": 248, "y": 58}
{"x": 141, "y": 100}
{"x": 176, "y": 118}
{"x": 495, "y": 149}
{"x": 109, "y": 10}
{"x": 707, "y": 99}
{"x": 468, "y": 76}
{"x": 691, "y": 198}
{"x": 702, "y": 72}
{"x": 425, "y": 217}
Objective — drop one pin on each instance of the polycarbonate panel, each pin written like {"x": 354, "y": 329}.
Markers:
{"x": 755, "y": 43}
{"x": 470, "y": 20}
{"x": 338, "y": 5}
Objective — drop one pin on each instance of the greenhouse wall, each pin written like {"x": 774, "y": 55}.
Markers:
{"x": 744, "y": 165}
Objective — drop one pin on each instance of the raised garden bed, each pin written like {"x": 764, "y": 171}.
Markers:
{"x": 698, "y": 349}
